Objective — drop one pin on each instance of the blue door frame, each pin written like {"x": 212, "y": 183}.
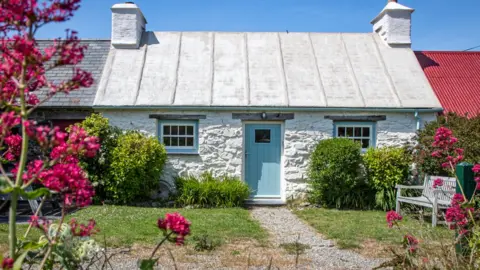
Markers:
{"x": 263, "y": 150}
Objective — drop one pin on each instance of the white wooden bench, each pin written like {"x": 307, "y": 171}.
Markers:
{"x": 435, "y": 198}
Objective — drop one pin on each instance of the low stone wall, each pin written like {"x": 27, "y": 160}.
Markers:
{"x": 221, "y": 139}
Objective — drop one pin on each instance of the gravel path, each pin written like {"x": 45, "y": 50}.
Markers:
{"x": 285, "y": 227}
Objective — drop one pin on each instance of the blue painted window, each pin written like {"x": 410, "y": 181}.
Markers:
{"x": 363, "y": 132}
{"x": 179, "y": 137}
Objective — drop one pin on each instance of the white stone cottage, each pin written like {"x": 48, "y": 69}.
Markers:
{"x": 254, "y": 104}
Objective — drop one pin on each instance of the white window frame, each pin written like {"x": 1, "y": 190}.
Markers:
{"x": 179, "y": 149}
{"x": 371, "y": 125}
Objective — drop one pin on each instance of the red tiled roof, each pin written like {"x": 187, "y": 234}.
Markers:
{"x": 455, "y": 78}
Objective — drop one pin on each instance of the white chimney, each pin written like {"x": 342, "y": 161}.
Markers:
{"x": 128, "y": 25}
{"x": 394, "y": 24}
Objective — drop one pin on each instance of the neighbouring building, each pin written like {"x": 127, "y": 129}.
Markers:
{"x": 455, "y": 79}
{"x": 65, "y": 109}
{"x": 254, "y": 104}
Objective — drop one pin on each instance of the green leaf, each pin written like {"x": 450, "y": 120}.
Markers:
{"x": 34, "y": 245}
{"x": 147, "y": 264}
{"x": 18, "y": 263}
{"x": 35, "y": 193}
{"x": 6, "y": 190}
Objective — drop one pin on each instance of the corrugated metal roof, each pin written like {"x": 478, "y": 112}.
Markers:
{"x": 213, "y": 69}
{"x": 455, "y": 79}
{"x": 94, "y": 61}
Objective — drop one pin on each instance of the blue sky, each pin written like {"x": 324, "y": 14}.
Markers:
{"x": 437, "y": 24}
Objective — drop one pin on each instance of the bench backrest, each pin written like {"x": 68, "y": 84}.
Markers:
{"x": 449, "y": 184}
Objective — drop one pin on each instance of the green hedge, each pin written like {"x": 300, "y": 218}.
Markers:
{"x": 209, "y": 191}
{"x": 386, "y": 167}
{"x": 335, "y": 175}
{"x": 98, "y": 168}
{"x": 467, "y": 131}
{"x": 137, "y": 163}
{"x": 128, "y": 166}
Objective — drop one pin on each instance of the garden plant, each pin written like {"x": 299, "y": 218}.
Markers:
{"x": 463, "y": 216}
{"x": 23, "y": 68}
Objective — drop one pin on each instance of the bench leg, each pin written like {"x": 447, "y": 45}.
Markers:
{"x": 434, "y": 215}
{"x": 397, "y": 208}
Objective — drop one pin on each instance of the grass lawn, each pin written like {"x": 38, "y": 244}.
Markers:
{"x": 124, "y": 225}
{"x": 352, "y": 229}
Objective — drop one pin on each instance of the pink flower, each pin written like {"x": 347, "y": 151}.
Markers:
{"x": 7, "y": 263}
{"x": 70, "y": 181}
{"x": 444, "y": 144}
{"x": 411, "y": 243}
{"x": 437, "y": 183}
{"x": 83, "y": 230}
{"x": 14, "y": 143}
{"x": 476, "y": 168}
{"x": 176, "y": 224}
{"x": 458, "y": 199}
{"x": 456, "y": 216}
{"x": 392, "y": 218}
{"x": 34, "y": 221}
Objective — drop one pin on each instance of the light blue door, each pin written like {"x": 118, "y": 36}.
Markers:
{"x": 262, "y": 159}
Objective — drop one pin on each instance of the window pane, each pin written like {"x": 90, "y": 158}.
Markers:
{"x": 174, "y": 141}
{"x": 341, "y": 132}
{"x": 181, "y": 130}
{"x": 358, "y": 132}
{"x": 365, "y": 143}
{"x": 349, "y": 131}
{"x": 190, "y": 141}
{"x": 262, "y": 135}
{"x": 181, "y": 141}
{"x": 366, "y": 132}
{"x": 166, "y": 130}
{"x": 357, "y": 140}
{"x": 174, "y": 130}
{"x": 166, "y": 141}
{"x": 189, "y": 130}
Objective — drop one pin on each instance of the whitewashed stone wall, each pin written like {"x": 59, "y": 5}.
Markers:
{"x": 220, "y": 141}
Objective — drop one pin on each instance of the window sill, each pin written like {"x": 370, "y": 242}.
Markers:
{"x": 184, "y": 154}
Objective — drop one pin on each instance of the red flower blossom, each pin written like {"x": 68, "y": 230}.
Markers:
{"x": 437, "y": 183}
{"x": 444, "y": 142}
{"x": 176, "y": 224}
{"x": 392, "y": 218}
{"x": 456, "y": 216}
{"x": 14, "y": 146}
{"x": 458, "y": 199}
{"x": 7, "y": 263}
{"x": 70, "y": 181}
{"x": 411, "y": 243}
{"x": 83, "y": 230}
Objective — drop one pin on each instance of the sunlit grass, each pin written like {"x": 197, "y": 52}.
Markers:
{"x": 125, "y": 225}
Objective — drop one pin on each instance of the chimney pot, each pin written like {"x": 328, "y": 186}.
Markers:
{"x": 128, "y": 25}
{"x": 393, "y": 24}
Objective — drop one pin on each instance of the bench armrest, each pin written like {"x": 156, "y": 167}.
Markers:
{"x": 439, "y": 191}
{"x": 409, "y": 187}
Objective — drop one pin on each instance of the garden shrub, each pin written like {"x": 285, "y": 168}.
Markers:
{"x": 136, "y": 165}
{"x": 335, "y": 175}
{"x": 466, "y": 130}
{"x": 209, "y": 191}
{"x": 98, "y": 168}
{"x": 386, "y": 167}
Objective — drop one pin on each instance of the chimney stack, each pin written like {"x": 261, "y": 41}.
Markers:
{"x": 394, "y": 23}
{"x": 128, "y": 25}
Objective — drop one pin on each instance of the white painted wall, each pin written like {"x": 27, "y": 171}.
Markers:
{"x": 220, "y": 141}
